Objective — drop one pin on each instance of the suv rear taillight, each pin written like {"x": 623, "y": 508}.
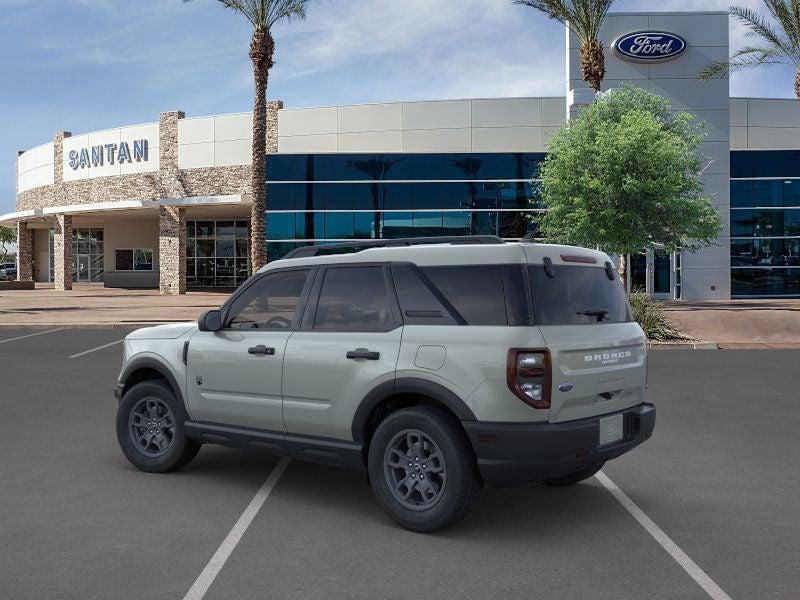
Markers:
{"x": 528, "y": 373}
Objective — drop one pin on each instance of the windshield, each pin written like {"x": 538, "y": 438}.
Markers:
{"x": 577, "y": 295}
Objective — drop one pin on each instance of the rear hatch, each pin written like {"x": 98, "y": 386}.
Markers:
{"x": 598, "y": 354}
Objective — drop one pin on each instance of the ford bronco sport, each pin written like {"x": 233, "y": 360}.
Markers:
{"x": 435, "y": 365}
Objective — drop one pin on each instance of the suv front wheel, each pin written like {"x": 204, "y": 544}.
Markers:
{"x": 150, "y": 429}
{"x": 422, "y": 469}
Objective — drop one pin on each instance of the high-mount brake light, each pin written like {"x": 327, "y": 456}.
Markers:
{"x": 529, "y": 376}
{"x": 577, "y": 258}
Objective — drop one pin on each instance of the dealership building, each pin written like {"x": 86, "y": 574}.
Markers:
{"x": 167, "y": 204}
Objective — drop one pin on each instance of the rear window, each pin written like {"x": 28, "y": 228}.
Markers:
{"x": 577, "y": 295}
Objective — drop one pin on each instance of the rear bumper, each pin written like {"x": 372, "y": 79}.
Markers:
{"x": 528, "y": 452}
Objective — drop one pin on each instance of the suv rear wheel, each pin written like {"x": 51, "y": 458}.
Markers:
{"x": 150, "y": 429}
{"x": 422, "y": 469}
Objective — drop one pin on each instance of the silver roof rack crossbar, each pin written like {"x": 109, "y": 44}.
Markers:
{"x": 359, "y": 245}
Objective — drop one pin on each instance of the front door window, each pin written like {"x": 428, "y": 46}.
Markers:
{"x": 87, "y": 255}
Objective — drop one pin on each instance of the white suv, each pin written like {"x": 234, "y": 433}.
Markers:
{"x": 434, "y": 365}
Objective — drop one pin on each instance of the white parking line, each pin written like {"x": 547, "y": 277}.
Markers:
{"x": 96, "y": 349}
{"x": 22, "y": 337}
{"x": 688, "y": 565}
{"x": 214, "y": 566}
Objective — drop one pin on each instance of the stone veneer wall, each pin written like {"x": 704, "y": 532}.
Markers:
{"x": 24, "y": 252}
{"x": 169, "y": 182}
{"x": 62, "y": 251}
{"x": 172, "y": 250}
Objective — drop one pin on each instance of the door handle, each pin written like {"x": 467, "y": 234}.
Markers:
{"x": 261, "y": 350}
{"x": 363, "y": 353}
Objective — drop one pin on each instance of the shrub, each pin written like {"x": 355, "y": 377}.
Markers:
{"x": 650, "y": 314}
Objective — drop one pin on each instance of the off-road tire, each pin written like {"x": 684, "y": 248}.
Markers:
{"x": 462, "y": 485}
{"x": 181, "y": 450}
{"x": 575, "y": 477}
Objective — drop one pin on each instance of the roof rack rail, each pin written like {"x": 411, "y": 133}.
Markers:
{"x": 528, "y": 239}
{"x": 358, "y": 245}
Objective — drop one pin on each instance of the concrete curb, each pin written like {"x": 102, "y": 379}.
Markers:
{"x": 688, "y": 345}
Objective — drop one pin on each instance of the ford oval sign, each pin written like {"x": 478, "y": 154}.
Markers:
{"x": 649, "y": 46}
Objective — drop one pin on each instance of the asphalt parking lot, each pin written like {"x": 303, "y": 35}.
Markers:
{"x": 719, "y": 477}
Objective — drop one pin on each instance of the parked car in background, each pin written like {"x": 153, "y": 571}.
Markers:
{"x": 8, "y": 271}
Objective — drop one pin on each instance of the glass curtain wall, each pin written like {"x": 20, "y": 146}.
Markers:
{"x": 765, "y": 223}
{"x": 328, "y": 198}
{"x": 217, "y": 253}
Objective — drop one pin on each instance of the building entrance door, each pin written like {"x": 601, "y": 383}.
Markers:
{"x": 83, "y": 269}
{"x": 655, "y": 272}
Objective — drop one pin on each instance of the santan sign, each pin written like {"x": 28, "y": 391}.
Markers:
{"x": 649, "y": 46}
{"x": 97, "y": 156}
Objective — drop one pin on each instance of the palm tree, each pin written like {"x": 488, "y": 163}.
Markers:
{"x": 262, "y": 15}
{"x": 584, "y": 19}
{"x": 780, "y": 42}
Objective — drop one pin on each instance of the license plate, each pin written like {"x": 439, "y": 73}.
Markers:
{"x": 611, "y": 429}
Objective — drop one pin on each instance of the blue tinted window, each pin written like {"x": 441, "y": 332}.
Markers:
{"x": 367, "y": 225}
{"x": 515, "y": 195}
{"x": 397, "y": 196}
{"x": 339, "y": 225}
{"x": 741, "y": 194}
{"x": 280, "y": 226}
{"x": 485, "y": 223}
{"x": 791, "y": 192}
{"x": 426, "y": 166}
{"x": 457, "y": 223}
{"x": 281, "y": 167}
{"x": 309, "y": 226}
{"x": 427, "y": 224}
{"x": 397, "y": 225}
{"x": 427, "y": 195}
{"x": 765, "y": 253}
{"x": 791, "y": 222}
{"x": 742, "y": 164}
{"x": 310, "y": 167}
{"x": 455, "y": 195}
{"x": 742, "y": 223}
{"x": 765, "y": 282}
{"x": 339, "y": 196}
{"x": 768, "y": 193}
{"x": 367, "y": 196}
{"x": 282, "y": 196}
{"x": 312, "y": 196}
{"x": 461, "y": 166}
{"x": 398, "y": 167}
{"x": 790, "y": 165}
{"x": 484, "y": 195}
{"x": 768, "y": 163}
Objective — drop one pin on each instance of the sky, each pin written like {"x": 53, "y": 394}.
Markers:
{"x": 86, "y": 65}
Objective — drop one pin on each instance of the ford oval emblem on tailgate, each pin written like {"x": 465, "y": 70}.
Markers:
{"x": 565, "y": 387}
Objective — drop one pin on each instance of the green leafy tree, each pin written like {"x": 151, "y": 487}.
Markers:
{"x": 778, "y": 40}
{"x": 584, "y": 19}
{"x": 625, "y": 176}
{"x": 263, "y": 15}
{"x": 7, "y": 237}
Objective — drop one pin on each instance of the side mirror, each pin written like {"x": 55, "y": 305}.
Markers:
{"x": 210, "y": 321}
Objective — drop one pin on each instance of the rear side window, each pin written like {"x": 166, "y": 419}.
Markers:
{"x": 577, "y": 295}
{"x": 419, "y": 302}
{"x": 476, "y": 292}
{"x": 353, "y": 299}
